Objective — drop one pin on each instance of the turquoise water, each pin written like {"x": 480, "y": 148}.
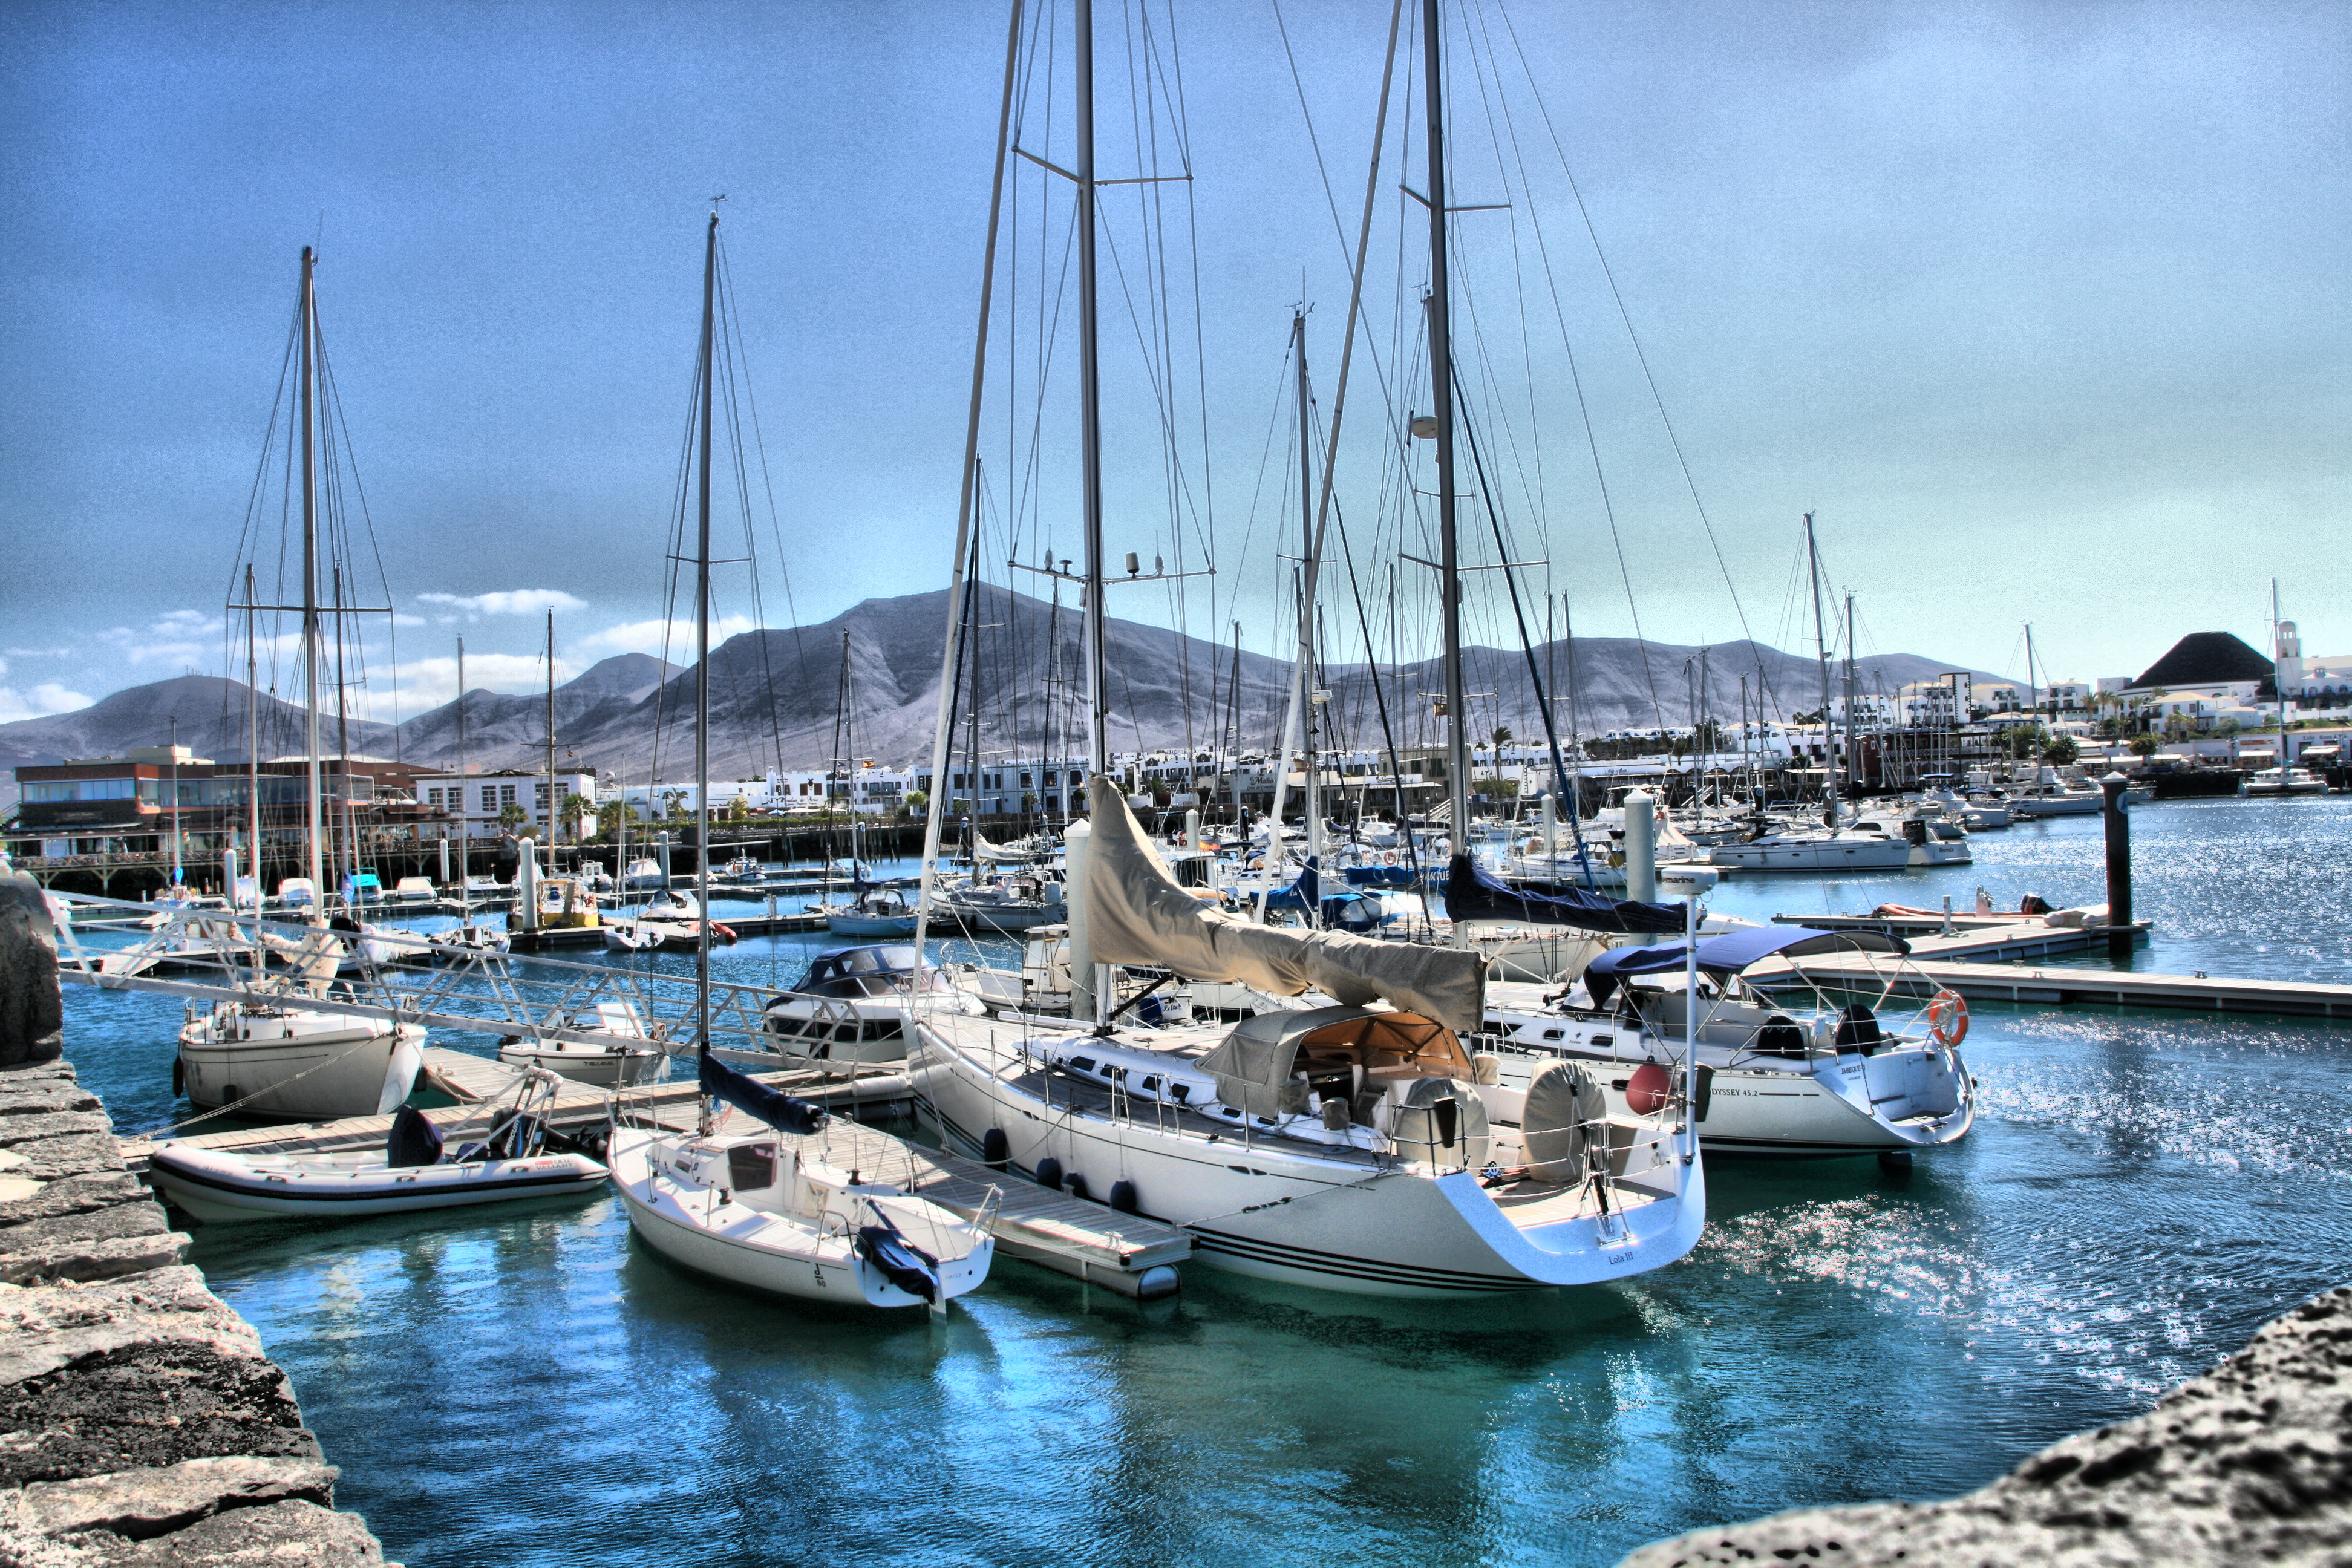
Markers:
{"x": 2141, "y": 1191}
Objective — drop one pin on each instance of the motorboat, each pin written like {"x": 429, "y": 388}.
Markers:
{"x": 676, "y": 916}
{"x": 1873, "y": 843}
{"x": 1344, "y": 1147}
{"x": 2285, "y": 782}
{"x": 628, "y": 936}
{"x": 1774, "y": 1076}
{"x": 467, "y": 941}
{"x": 876, "y": 912}
{"x": 642, "y": 876}
{"x": 850, "y": 1005}
{"x": 413, "y": 1171}
{"x": 1013, "y": 909}
{"x": 618, "y": 1049}
{"x": 754, "y": 1200}
{"x": 265, "y": 1054}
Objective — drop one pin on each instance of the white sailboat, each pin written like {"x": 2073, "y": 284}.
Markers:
{"x": 759, "y": 1205}
{"x": 1354, "y": 1146}
{"x": 264, "y": 1053}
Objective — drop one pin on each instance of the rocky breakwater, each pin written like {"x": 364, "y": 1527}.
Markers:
{"x": 2250, "y": 1463}
{"x": 140, "y": 1420}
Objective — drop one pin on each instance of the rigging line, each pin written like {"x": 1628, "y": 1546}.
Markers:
{"x": 1625, "y": 316}
{"x": 1332, "y": 202}
{"x": 670, "y": 558}
{"x": 739, "y": 354}
{"x": 376, "y": 547}
{"x": 1160, "y": 401}
{"x": 1527, "y": 647}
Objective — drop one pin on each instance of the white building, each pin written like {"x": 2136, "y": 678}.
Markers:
{"x": 476, "y": 801}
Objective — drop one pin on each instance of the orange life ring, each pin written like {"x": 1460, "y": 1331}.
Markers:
{"x": 723, "y": 934}
{"x": 1948, "y": 1018}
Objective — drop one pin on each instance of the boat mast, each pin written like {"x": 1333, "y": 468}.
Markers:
{"x": 1441, "y": 376}
{"x": 347, "y": 845}
{"x": 552, "y": 805}
{"x": 1091, "y": 404}
{"x": 1312, "y": 798}
{"x": 1853, "y": 770}
{"x": 310, "y": 633}
{"x": 252, "y": 745}
{"x": 936, "y": 807}
{"x": 1821, "y": 648}
{"x": 702, "y": 664}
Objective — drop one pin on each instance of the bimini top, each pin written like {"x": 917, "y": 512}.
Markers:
{"x": 1731, "y": 952}
{"x": 856, "y": 971}
{"x": 1255, "y": 1065}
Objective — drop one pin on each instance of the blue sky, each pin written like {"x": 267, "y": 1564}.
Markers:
{"x": 2042, "y": 310}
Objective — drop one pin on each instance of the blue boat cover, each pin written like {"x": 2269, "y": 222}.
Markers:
{"x": 1400, "y": 877}
{"x": 414, "y": 1140}
{"x": 902, "y": 1262}
{"x": 1730, "y": 953}
{"x": 1475, "y": 893}
{"x": 780, "y": 1110}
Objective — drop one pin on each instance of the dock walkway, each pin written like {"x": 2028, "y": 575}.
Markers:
{"x": 1990, "y": 961}
{"x": 1127, "y": 1253}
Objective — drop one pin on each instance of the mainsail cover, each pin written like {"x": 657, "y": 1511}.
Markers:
{"x": 1475, "y": 893}
{"x": 780, "y": 1110}
{"x": 1135, "y": 913}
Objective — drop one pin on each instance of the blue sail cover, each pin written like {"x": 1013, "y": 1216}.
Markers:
{"x": 1730, "y": 953}
{"x": 778, "y": 1109}
{"x": 1475, "y": 893}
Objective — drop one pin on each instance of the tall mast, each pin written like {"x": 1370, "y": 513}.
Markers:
{"x": 252, "y": 746}
{"x": 552, "y": 803}
{"x": 1821, "y": 648}
{"x": 1852, "y": 775}
{"x": 2033, "y": 693}
{"x": 310, "y": 369}
{"x": 936, "y": 807}
{"x": 1090, "y": 401}
{"x": 1440, "y": 377}
{"x": 347, "y": 846}
{"x": 702, "y": 658}
{"x": 1312, "y": 797}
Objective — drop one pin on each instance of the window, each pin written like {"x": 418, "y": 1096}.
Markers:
{"x": 505, "y": 795}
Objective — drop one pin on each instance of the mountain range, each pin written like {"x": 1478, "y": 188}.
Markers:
{"x": 777, "y": 696}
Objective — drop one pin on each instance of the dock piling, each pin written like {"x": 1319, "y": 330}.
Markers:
{"x": 2119, "y": 904}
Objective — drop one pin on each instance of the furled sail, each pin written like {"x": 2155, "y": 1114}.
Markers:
{"x": 1475, "y": 893}
{"x": 1136, "y": 913}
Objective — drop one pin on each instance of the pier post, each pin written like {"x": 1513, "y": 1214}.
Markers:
{"x": 1640, "y": 854}
{"x": 661, "y": 847}
{"x": 2119, "y": 905}
{"x": 444, "y": 863}
{"x": 526, "y": 893}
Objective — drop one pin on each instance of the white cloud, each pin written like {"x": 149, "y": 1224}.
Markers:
{"x": 47, "y": 698}
{"x": 646, "y": 637}
{"x": 183, "y": 637}
{"x": 507, "y": 601}
{"x": 39, "y": 652}
{"x": 429, "y": 682}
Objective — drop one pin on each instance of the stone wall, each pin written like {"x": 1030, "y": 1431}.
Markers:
{"x": 140, "y": 1420}
{"x": 2250, "y": 1463}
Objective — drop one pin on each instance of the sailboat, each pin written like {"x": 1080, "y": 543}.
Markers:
{"x": 1353, "y": 1146}
{"x": 264, "y": 1053}
{"x": 761, "y": 1206}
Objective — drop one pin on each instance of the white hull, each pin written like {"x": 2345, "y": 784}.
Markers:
{"x": 1901, "y": 1097}
{"x": 785, "y": 1256}
{"x": 222, "y": 1188}
{"x": 1273, "y": 1207}
{"x": 588, "y": 1064}
{"x": 343, "y": 1067}
{"x": 1839, "y": 854}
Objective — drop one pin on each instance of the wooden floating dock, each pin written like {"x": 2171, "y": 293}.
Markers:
{"x": 1975, "y": 939}
{"x": 1991, "y": 964}
{"x": 1126, "y": 1253}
